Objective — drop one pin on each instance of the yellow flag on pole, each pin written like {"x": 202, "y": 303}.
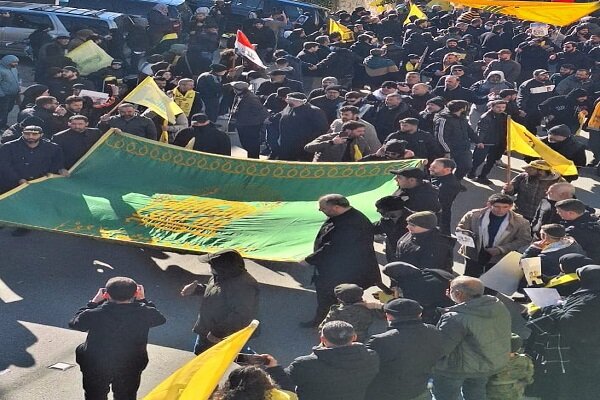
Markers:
{"x": 524, "y": 142}
{"x": 89, "y": 57}
{"x": 414, "y": 11}
{"x": 197, "y": 379}
{"x": 559, "y": 14}
{"x": 347, "y": 34}
{"x": 148, "y": 94}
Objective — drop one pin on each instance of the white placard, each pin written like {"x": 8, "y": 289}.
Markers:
{"x": 94, "y": 95}
{"x": 505, "y": 276}
{"x": 543, "y": 297}
{"x": 532, "y": 269}
{"x": 464, "y": 239}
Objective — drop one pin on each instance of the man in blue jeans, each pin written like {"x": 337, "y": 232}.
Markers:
{"x": 477, "y": 331}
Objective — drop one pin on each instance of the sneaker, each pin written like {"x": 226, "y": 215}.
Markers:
{"x": 484, "y": 180}
{"x": 471, "y": 175}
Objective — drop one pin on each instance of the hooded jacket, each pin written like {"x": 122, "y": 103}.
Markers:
{"x": 586, "y": 230}
{"x": 563, "y": 108}
{"x": 477, "y": 336}
{"x": 9, "y": 77}
{"x": 334, "y": 373}
{"x": 230, "y": 300}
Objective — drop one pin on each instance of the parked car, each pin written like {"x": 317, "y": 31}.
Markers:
{"x": 294, "y": 10}
{"x": 19, "y": 20}
{"x": 179, "y": 11}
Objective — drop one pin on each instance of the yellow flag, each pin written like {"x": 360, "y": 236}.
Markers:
{"x": 197, "y": 379}
{"x": 559, "y": 14}
{"x": 414, "y": 11}
{"x": 524, "y": 142}
{"x": 347, "y": 34}
{"x": 357, "y": 154}
{"x": 89, "y": 57}
{"x": 148, "y": 94}
{"x": 594, "y": 120}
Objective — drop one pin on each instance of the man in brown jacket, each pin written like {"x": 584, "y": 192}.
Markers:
{"x": 496, "y": 230}
{"x": 348, "y": 145}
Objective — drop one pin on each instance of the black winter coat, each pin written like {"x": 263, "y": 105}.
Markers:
{"x": 334, "y": 373}
{"x": 117, "y": 334}
{"x": 386, "y": 119}
{"x": 407, "y": 353}
{"x": 429, "y": 249}
{"x": 454, "y": 133}
{"x": 208, "y": 139}
{"x": 297, "y": 127}
{"x": 250, "y": 110}
{"x": 586, "y": 231}
{"x": 423, "y": 197}
{"x": 344, "y": 253}
{"x": 422, "y": 143}
{"x": 339, "y": 63}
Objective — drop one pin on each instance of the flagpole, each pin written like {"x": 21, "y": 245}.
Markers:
{"x": 508, "y": 149}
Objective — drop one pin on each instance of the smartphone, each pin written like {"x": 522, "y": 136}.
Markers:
{"x": 104, "y": 294}
{"x": 252, "y": 359}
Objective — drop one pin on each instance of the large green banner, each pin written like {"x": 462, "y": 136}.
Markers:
{"x": 134, "y": 190}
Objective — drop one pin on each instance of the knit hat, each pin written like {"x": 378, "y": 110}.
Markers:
{"x": 570, "y": 262}
{"x": 423, "y": 219}
{"x": 516, "y": 343}
{"x": 348, "y": 293}
{"x": 560, "y": 130}
{"x": 410, "y": 173}
{"x": 438, "y": 101}
{"x": 403, "y": 309}
{"x": 539, "y": 164}
{"x": 297, "y": 96}
{"x": 202, "y": 10}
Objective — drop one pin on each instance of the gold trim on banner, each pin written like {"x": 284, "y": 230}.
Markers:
{"x": 165, "y": 153}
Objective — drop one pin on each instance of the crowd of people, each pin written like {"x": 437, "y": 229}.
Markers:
{"x": 439, "y": 88}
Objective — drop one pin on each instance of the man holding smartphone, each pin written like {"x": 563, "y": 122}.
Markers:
{"x": 117, "y": 320}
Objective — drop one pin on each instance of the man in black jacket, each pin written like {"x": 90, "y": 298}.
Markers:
{"x": 448, "y": 188}
{"x": 421, "y": 143}
{"x": 455, "y": 135}
{"x": 423, "y": 245}
{"x": 546, "y": 210}
{"x": 76, "y": 140}
{"x": 389, "y": 113}
{"x": 407, "y": 353}
{"x": 338, "y": 368}
{"x": 250, "y": 115}
{"x": 343, "y": 253}
{"x": 117, "y": 320}
{"x": 278, "y": 79}
{"x": 418, "y": 195}
{"x": 581, "y": 226}
{"x": 491, "y": 129}
{"x": 207, "y": 137}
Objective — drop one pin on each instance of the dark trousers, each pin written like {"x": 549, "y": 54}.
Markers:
{"x": 125, "y": 384}
{"x": 447, "y": 388}
{"x": 325, "y": 299}
{"x": 489, "y": 154}
{"x": 250, "y": 139}
{"x": 475, "y": 268}
{"x": 464, "y": 161}
{"x": 6, "y": 105}
{"x": 445, "y": 218}
{"x": 211, "y": 108}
